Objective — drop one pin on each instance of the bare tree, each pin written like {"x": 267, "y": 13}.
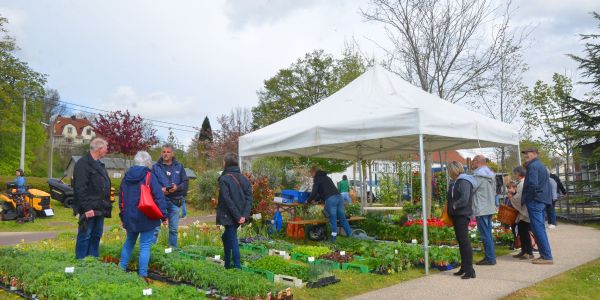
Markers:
{"x": 51, "y": 105}
{"x": 444, "y": 46}
{"x": 504, "y": 92}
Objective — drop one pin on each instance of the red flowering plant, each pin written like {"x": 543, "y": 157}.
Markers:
{"x": 431, "y": 222}
{"x": 262, "y": 195}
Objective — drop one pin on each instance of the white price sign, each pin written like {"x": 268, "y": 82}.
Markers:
{"x": 70, "y": 270}
{"x": 343, "y": 253}
{"x": 49, "y": 212}
{"x": 311, "y": 259}
{"x": 147, "y": 292}
{"x": 168, "y": 250}
{"x": 414, "y": 241}
{"x": 395, "y": 251}
{"x": 217, "y": 257}
{"x": 473, "y": 235}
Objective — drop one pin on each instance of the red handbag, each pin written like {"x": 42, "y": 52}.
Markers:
{"x": 147, "y": 204}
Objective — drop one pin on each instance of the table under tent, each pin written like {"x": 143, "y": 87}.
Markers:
{"x": 378, "y": 116}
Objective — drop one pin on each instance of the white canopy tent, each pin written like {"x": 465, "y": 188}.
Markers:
{"x": 378, "y": 116}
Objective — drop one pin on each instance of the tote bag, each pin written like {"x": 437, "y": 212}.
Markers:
{"x": 147, "y": 204}
{"x": 446, "y": 217}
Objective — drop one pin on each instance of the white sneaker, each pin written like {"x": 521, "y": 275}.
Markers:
{"x": 552, "y": 226}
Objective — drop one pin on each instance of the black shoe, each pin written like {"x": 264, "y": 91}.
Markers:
{"x": 485, "y": 263}
{"x": 468, "y": 275}
{"x": 459, "y": 273}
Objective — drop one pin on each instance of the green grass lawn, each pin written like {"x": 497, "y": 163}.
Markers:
{"x": 63, "y": 220}
{"x": 582, "y": 282}
{"x": 354, "y": 283}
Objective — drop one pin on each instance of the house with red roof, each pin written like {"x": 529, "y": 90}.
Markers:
{"x": 71, "y": 131}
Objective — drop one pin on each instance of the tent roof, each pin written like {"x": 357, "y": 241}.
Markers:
{"x": 377, "y": 116}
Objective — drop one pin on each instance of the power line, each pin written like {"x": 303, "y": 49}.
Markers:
{"x": 161, "y": 126}
{"x": 102, "y": 110}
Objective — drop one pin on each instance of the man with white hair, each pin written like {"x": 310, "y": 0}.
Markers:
{"x": 484, "y": 206}
{"x": 91, "y": 186}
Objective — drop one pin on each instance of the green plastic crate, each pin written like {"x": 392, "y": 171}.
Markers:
{"x": 357, "y": 267}
{"x": 266, "y": 274}
{"x": 333, "y": 264}
{"x": 258, "y": 249}
{"x": 300, "y": 257}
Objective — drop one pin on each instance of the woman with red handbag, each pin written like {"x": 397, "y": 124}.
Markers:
{"x": 142, "y": 206}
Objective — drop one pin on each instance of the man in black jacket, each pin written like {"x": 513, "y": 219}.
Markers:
{"x": 91, "y": 186}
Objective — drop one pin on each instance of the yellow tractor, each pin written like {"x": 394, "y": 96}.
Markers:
{"x": 24, "y": 207}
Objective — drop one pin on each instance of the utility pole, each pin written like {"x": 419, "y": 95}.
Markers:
{"x": 22, "y": 165}
{"x": 50, "y": 129}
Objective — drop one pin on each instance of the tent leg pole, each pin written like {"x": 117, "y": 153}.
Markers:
{"x": 424, "y": 203}
{"x": 519, "y": 150}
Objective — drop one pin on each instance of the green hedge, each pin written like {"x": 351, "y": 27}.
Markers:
{"x": 40, "y": 183}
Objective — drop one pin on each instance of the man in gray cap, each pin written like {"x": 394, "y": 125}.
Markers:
{"x": 537, "y": 196}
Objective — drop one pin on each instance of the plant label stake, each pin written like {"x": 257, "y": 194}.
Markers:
{"x": 414, "y": 241}
{"x": 70, "y": 270}
{"x": 147, "y": 292}
{"x": 343, "y": 253}
{"x": 218, "y": 257}
{"x": 311, "y": 259}
{"x": 168, "y": 250}
{"x": 395, "y": 251}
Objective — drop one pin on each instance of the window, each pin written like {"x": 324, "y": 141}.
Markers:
{"x": 88, "y": 131}
{"x": 69, "y": 130}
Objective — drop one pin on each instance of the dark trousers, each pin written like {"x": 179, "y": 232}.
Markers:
{"x": 461, "y": 229}
{"x": 231, "y": 246}
{"x": 523, "y": 228}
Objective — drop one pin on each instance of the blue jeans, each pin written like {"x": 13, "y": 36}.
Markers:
{"x": 183, "y": 209}
{"x": 484, "y": 226}
{"x": 536, "y": 212}
{"x": 146, "y": 239}
{"x": 231, "y": 246}
{"x": 346, "y": 197}
{"x": 88, "y": 241}
{"x": 334, "y": 206}
{"x": 551, "y": 211}
{"x": 173, "y": 215}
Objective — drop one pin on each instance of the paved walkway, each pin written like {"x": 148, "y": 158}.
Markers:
{"x": 571, "y": 246}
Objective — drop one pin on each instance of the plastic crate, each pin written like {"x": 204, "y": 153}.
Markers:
{"x": 357, "y": 267}
{"x": 297, "y": 196}
{"x": 300, "y": 257}
{"x": 257, "y": 249}
{"x": 266, "y": 274}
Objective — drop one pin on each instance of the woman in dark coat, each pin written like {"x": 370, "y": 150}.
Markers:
{"x": 233, "y": 209}
{"x": 460, "y": 209}
{"x": 133, "y": 220}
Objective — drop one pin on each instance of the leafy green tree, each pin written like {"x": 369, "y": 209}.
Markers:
{"x": 590, "y": 64}
{"x": 545, "y": 113}
{"x": 18, "y": 83}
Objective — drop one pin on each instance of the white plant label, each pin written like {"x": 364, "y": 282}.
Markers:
{"x": 257, "y": 216}
{"x": 70, "y": 270}
{"x": 414, "y": 241}
{"x": 218, "y": 257}
{"x": 147, "y": 292}
{"x": 282, "y": 253}
{"x": 473, "y": 235}
{"x": 395, "y": 251}
{"x": 343, "y": 253}
{"x": 168, "y": 250}
{"x": 311, "y": 259}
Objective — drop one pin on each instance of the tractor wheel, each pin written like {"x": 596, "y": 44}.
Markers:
{"x": 68, "y": 202}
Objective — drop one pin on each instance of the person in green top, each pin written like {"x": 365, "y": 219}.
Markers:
{"x": 344, "y": 189}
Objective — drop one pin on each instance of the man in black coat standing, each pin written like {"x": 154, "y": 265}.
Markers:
{"x": 91, "y": 186}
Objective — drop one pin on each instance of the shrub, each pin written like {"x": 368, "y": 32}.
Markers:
{"x": 203, "y": 189}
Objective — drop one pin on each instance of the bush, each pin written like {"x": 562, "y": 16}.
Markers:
{"x": 39, "y": 183}
{"x": 203, "y": 189}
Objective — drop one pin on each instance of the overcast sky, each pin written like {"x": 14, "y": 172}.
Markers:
{"x": 179, "y": 61}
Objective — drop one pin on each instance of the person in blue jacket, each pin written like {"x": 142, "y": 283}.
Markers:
{"x": 174, "y": 182}
{"x": 537, "y": 196}
{"x": 133, "y": 220}
{"x": 20, "y": 181}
